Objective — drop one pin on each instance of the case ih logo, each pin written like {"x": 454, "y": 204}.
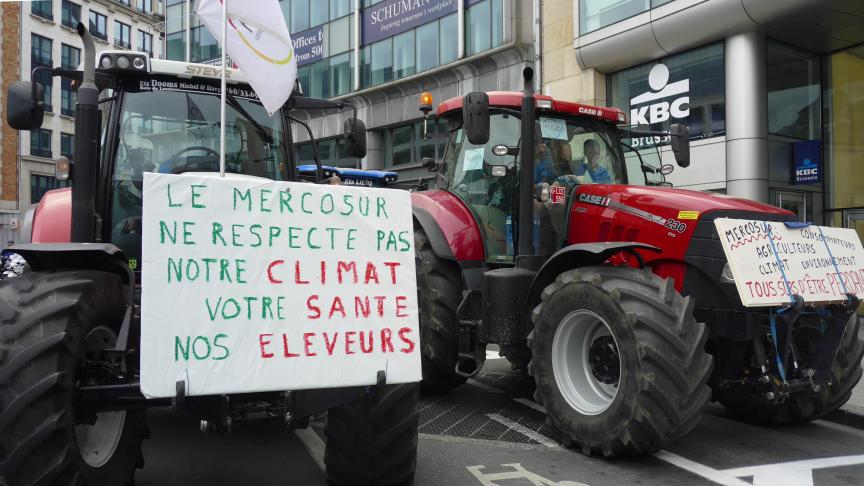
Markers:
{"x": 658, "y": 112}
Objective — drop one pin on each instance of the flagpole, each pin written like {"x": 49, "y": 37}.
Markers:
{"x": 224, "y": 90}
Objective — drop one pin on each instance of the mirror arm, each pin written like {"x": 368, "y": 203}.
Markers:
{"x": 36, "y": 70}
{"x": 645, "y": 167}
{"x": 319, "y": 171}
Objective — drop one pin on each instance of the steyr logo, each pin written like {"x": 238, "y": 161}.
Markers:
{"x": 661, "y": 89}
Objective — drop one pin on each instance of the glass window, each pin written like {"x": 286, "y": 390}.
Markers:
{"x": 403, "y": 55}
{"x": 381, "y": 68}
{"x": 176, "y": 18}
{"x": 40, "y": 143}
{"x": 427, "y": 46}
{"x": 40, "y": 184}
{"x": 793, "y": 93}
{"x": 122, "y": 35}
{"x": 70, "y": 14}
{"x": 304, "y": 77}
{"x": 844, "y": 138}
{"x": 340, "y": 35}
{"x": 145, "y": 5}
{"x": 685, "y": 88}
{"x": 595, "y": 14}
{"x": 67, "y": 145}
{"x": 98, "y": 25}
{"x": 70, "y": 57}
{"x": 300, "y": 15}
{"x": 399, "y": 145}
{"x": 478, "y": 28}
{"x": 42, "y": 8}
{"x": 318, "y": 12}
{"x": 40, "y": 56}
{"x": 449, "y": 37}
{"x": 341, "y": 74}
{"x": 145, "y": 42}
{"x": 497, "y": 23}
{"x": 176, "y": 46}
{"x": 319, "y": 82}
{"x": 67, "y": 98}
{"x": 340, "y": 8}
{"x": 204, "y": 47}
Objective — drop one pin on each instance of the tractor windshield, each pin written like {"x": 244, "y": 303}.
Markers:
{"x": 569, "y": 151}
{"x": 172, "y": 126}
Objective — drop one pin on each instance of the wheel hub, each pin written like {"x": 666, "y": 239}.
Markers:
{"x": 97, "y": 442}
{"x": 586, "y": 362}
{"x": 603, "y": 357}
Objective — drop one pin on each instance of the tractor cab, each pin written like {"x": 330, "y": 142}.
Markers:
{"x": 574, "y": 144}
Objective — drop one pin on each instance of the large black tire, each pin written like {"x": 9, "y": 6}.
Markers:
{"x": 44, "y": 319}
{"x": 804, "y": 407}
{"x": 439, "y": 291}
{"x": 661, "y": 386}
{"x": 374, "y": 444}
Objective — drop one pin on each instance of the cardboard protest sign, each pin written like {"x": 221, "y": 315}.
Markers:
{"x": 771, "y": 261}
{"x": 252, "y": 285}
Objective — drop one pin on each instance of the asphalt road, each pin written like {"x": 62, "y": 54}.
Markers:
{"x": 488, "y": 433}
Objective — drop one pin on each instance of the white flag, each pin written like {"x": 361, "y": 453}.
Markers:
{"x": 260, "y": 44}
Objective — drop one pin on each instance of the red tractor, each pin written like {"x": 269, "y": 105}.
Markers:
{"x": 547, "y": 235}
{"x": 71, "y": 407}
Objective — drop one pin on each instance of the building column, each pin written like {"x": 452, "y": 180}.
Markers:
{"x": 746, "y": 117}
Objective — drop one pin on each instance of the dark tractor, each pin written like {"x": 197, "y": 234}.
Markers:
{"x": 71, "y": 409}
{"x": 548, "y": 235}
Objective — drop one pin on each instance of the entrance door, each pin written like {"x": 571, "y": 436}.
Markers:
{"x": 799, "y": 203}
{"x": 854, "y": 219}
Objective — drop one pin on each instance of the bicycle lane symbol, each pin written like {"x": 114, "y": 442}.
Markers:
{"x": 518, "y": 472}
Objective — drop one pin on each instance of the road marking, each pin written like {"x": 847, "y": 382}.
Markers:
{"x": 531, "y": 404}
{"x": 711, "y": 474}
{"x": 531, "y": 434}
{"x": 503, "y": 444}
{"x": 313, "y": 443}
{"x": 484, "y": 386}
{"x": 518, "y": 472}
{"x": 793, "y": 473}
{"x": 493, "y": 355}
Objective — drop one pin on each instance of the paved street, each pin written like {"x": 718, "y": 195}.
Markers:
{"x": 488, "y": 433}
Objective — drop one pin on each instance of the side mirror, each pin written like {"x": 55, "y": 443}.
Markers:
{"x": 475, "y": 117}
{"x": 355, "y": 137}
{"x": 24, "y": 105}
{"x": 680, "y": 135}
{"x": 429, "y": 164}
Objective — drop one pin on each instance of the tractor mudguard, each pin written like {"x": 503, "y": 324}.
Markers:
{"x": 451, "y": 228}
{"x": 76, "y": 256}
{"x": 573, "y": 256}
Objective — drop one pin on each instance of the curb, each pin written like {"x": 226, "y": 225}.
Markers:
{"x": 849, "y": 416}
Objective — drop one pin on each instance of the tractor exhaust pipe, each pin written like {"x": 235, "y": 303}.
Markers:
{"x": 86, "y": 147}
{"x": 526, "y": 175}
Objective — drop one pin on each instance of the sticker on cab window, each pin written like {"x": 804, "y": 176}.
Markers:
{"x": 554, "y": 128}
{"x": 557, "y": 194}
{"x": 473, "y": 159}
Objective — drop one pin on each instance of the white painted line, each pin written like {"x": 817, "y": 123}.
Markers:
{"x": 531, "y": 434}
{"x": 794, "y": 473}
{"x": 709, "y": 473}
{"x": 313, "y": 444}
{"x": 531, "y": 404}
{"x": 484, "y": 386}
{"x": 493, "y": 355}
{"x": 483, "y": 442}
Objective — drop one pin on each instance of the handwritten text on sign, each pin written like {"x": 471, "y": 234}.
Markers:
{"x": 254, "y": 285}
{"x": 821, "y": 264}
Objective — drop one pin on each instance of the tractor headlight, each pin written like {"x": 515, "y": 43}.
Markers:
{"x": 124, "y": 61}
{"x": 726, "y": 275}
{"x": 62, "y": 169}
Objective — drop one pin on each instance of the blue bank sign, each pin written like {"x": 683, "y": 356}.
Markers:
{"x": 807, "y": 167}
{"x": 309, "y": 45}
{"x": 392, "y": 17}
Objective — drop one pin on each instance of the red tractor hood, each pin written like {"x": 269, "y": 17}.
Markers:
{"x": 647, "y": 198}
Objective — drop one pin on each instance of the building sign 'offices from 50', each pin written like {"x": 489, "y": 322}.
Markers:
{"x": 257, "y": 285}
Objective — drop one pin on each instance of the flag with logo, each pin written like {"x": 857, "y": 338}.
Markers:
{"x": 258, "y": 42}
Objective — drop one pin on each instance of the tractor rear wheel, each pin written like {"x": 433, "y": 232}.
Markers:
{"x": 373, "y": 443}
{"x": 619, "y": 360}
{"x": 439, "y": 287}
{"x": 50, "y": 324}
{"x": 804, "y": 407}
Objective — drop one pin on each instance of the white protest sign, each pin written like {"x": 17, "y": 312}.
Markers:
{"x": 770, "y": 261}
{"x": 253, "y": 285}
{"x": 473, "y": 159}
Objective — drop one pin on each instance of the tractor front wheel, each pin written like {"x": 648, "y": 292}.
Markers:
{"x": 618, "y": 360}
{"x": 52, "y": 327}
